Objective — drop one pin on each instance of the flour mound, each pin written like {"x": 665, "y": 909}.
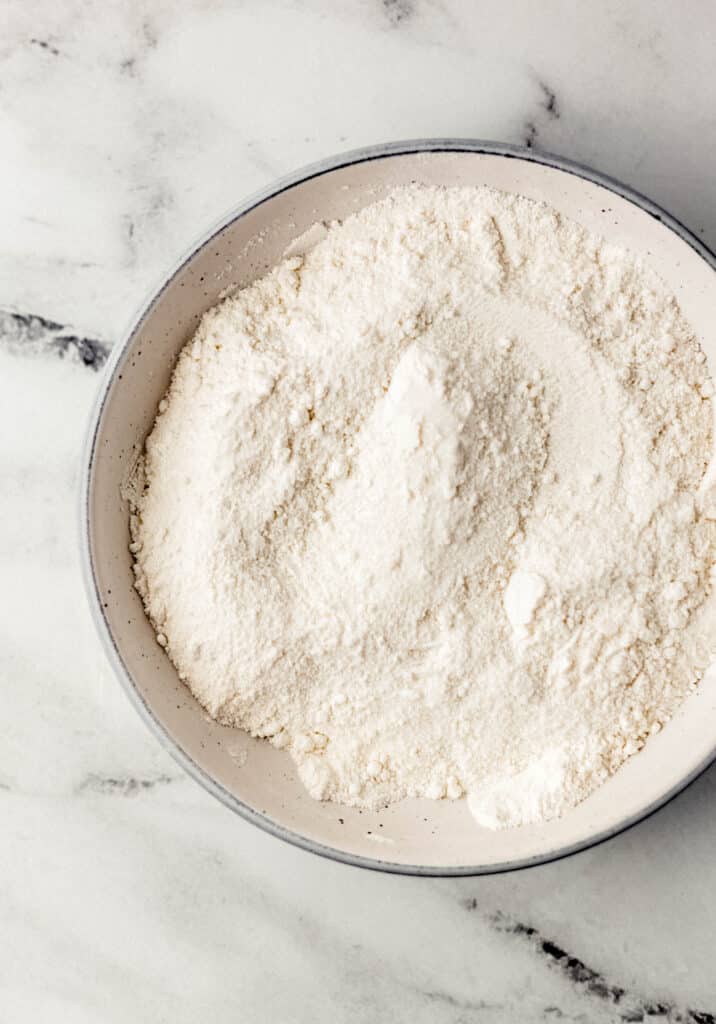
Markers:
{"x": 421, "y": 507}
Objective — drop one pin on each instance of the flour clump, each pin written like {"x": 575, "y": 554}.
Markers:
{"x": 422, "y": 506}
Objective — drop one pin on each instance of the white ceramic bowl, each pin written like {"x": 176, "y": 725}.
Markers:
{"x": 250, "y": 776}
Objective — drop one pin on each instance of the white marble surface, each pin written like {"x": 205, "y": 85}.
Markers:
{"x": 126, "y": 892}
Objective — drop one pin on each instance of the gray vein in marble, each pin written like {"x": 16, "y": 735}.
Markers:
{"x": 550, "y": 101}
{"x": 146, "y": 42}
{"x": 130, "y": 241}
{"x": 29, "y": 334}
{"x": 44, "y": 44}
{"x": 549, "y": 110}
{"x": 628, "y": 1006}
{"x": 149, "y": 34}
{"x": 446, "y": 999}
{"x": 160, "y": 197}
{"x": 398, "y": 11}
{"x": 109, "y": 785}
{"x": 530, "y": 135}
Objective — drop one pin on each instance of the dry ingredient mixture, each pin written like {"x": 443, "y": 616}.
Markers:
{"x": 420, "y": 506}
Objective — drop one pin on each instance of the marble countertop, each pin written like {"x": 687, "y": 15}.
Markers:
{"x": 126, "y": 892}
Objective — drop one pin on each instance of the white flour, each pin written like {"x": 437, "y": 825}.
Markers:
{"x": 420, "y": 507}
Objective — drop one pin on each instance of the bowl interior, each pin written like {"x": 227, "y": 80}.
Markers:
{"x": 249, "y": 774}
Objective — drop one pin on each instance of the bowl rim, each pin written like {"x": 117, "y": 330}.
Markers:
{"x": 89, "y": 453}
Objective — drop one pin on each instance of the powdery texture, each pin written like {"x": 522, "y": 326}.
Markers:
{"x": 419, "y": 507}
